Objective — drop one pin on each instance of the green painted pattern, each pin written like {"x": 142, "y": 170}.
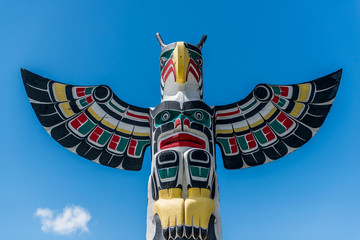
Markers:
{"x": 167, "y": 172}
{"x": 173, "y": 115}
{"x": 104, "y": 137}
{"x": 199, "y": 171}
{"x": 260, "y": 137}
{"x": 167, "y": 54}
{"x": 88, "y": 90}
{"x": 276, "y": 90}
{"x": 83, "y": 102}
{"x": 250, "y": 105}
{"x": 243, "y": 143}
{"x": 194, "y": 55}
{"x": 206, "y": 119}
{"x": 225, "y": 144}
{"x": 140, "y": 146}
{"x": 87, "y": 127}
{"x": 277, "y": 126}
{"x": 117, "y": 108}
{"x": 281, "y": 102}
{"x": 122, "y": 144}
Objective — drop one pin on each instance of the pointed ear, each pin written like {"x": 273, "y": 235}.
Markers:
{"x": 202, "y": 41}
{"x": 161, "y": 42}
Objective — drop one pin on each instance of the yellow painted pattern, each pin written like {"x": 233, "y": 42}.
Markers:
{"x": 170, "y": 207}
{"x": 181, "y": 60}
{"x": 141, "y": 134}
{"x": 224, "y": 131}
{"x": 304, "y": 91}
{"x": 65, "y": 107}
{"x": 256, "y": 123}
{"x": 198, "y": 207}
{"x": 240, "y": 129}
{"x": 106, "y": 123}
{"x": 269, "y": 114}
{"x": 94, "y": 114}
{"x": 59, "y": 90}
{"x": 123, "y": 131}
{"x": 297, "y": 109}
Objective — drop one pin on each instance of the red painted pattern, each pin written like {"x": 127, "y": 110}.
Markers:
{"x": 250, "y": 140}
{"x": 80, "y": 92}
{"x": 233, "y": 145}
{"x": 177, "y": 123}
{"x": 77, "y": 122}
{"x": 89, "y": 99}
{"x": 132, "y": 147}
{"x": 167, "y": 70}
{"x": 95, "y": 135}
{"x": 187, "y": 122}
{"x": 194, "y": 70}
{"x": 275, "y": 99}
{"x": 268, "y": 133}
{"x": 228, "y": 113}
{"x": 137, "y": 116}
{"x": 182, "y": 140}
{"x": 287, "y": 122}
{"x": 284, "y": 91}
{"x": 114, "y": 142}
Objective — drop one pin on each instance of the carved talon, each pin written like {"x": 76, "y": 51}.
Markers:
{"x": 198, "y": 209}
{"x": 170, "y": 208}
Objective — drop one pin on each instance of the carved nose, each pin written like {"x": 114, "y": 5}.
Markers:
{"x": 187, "y": 122}
{"x": 177, "y": 122}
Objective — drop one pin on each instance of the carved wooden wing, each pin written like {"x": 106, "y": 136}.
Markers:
{"x": 90, "y": 121}
{"x": 273, "y": 121}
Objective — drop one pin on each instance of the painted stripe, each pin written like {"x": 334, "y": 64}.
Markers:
{"x": 66, "y": 109}
{"x": 109, "y": 125}
{"x": 141, "y": 134}
{"x": 298, "y": 108}
{"x": 171, "y": 70}
{"x": 270, "y": 113}
{"x": 224, "y": 131}
{"x": 137, "y": 116}
{"x": 59, "y": 90}
{"x": 113, "y": 104}
{"x": 255, "y": 120}
{"x": 94, "y": 114}
{"x": 226, "y": 114}
{"x": 240, "y": 126}
{"x": 304, "y": 92}
{"x": 167, "y": 65}
{"x": 257, "y": 123}
{"x": 249, "y": 105}
{"x": 123, "y": 130}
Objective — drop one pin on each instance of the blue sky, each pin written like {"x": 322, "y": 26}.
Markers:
{"x": 312, "y": 193}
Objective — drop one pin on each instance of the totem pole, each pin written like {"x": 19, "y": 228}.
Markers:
{"x": 183, "y": 198}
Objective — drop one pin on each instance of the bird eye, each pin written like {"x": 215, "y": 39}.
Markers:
{"x": 198, "y": 115}
{"x": 162, "y": 62}
{"x": 200, "y": 62}
{"x": 165, "y": 116}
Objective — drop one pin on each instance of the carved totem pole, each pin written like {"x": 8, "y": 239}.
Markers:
{"x": 183, "y": 198}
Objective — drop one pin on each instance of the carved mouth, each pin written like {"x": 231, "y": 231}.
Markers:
{"x": 182, "y": 140}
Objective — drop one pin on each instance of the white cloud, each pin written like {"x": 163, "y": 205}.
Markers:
{"x": 72, "y": 219}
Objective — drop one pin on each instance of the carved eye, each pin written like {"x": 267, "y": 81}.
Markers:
{"x": 162, "y": 62}
{"x": 198, "y": 115}
{"x": 200, "y": 62}
{"x": 165, "y": 116}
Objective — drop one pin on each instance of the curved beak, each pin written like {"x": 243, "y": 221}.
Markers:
{"x": 181, "y": 61}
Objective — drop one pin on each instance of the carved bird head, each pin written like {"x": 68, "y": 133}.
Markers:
{"x": 181, "y": 71}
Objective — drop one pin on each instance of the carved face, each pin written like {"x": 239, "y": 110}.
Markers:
{"x": 186, "y": 125}
{"x": 181, "y": 71}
